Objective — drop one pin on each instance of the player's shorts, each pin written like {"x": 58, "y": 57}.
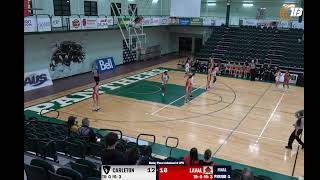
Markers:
{"x": 96, "y": 78}
{"x": 164, "y": 82}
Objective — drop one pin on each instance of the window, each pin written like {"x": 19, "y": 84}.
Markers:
{"x": 61, "y": 7}
{"x": 114, "y": 11}
{"x": 133, "y": 8}
{"x": 90, "y": 8}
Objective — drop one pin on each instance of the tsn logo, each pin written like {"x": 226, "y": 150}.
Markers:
{"x": 288, "y": 11}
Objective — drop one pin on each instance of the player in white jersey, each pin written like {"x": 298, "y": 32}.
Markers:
{"x": 277, "y": 75}
{"x": 187, "y": 67}
{"x": 164, "y": 78}
{"x": 214, "y": 74}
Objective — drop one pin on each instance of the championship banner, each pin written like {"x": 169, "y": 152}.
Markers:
{"x": 30, "y": 24}
{"x": 184, "y": 21}
{"x": 196, "y": 21}
{"x": 105, "y": 64}
{"x": 148, "y": 172}
{"x": 37, "y": 79}
{"x": 44, "y": 24}
{"x": 75, "y": 23}
{"x": 89, "y": 23}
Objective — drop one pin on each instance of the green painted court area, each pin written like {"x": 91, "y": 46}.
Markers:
{"x": 151, "y": 91}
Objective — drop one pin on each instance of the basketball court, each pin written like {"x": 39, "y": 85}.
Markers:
{"x": 239, "y": 120}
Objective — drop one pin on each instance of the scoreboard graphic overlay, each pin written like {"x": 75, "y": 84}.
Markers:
{"x": 165, "y": 172}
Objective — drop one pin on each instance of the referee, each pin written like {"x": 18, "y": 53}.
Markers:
{"x": 297, "y": 131}
{"x": 252, "y": 70}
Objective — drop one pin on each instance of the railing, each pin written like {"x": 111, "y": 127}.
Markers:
{"x": 51, "y": 23}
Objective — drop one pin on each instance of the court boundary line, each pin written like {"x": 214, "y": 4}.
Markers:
{"x": 224, "y": 129}
{"x": 266, "y": 90}
{"x": 270, "y": 117}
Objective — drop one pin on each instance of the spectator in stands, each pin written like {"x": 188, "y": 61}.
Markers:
{"x": 197, "y": 66}
{"x": 248, "y": 69}
{"x": 252, "y": 70}
{"x": 112, "y": 155}
{"x": 247, "y": 174}
{"x": 207, "y": 156}
{"x": 261, "y": 72}
{"x": 192, "y": 158}
{"x": 86, "y": 132}
{"x": 72, "y": 125}
{"x": 132, "y": 156}
{"x": 145, "y": 157}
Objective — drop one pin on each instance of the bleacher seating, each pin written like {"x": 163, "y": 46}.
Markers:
{"x": 47, "y": 140}
{"x": 240, "y": 44}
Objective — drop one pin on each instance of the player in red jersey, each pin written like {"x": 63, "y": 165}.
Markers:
{"x": 286, "y": 79}
{"x": 95, "y": 97}
{"x": 227, "y": 70}
{"x": 238, "y": 70}
{"x": 233, "y": 69}
{"x": 188, "y": 87}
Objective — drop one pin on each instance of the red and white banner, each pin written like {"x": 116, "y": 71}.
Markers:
{"x": 26, "y": 8}
{"x": 30, "y": 24}
{"x": 89, "y": 23}
{"x": 75, "y": 23}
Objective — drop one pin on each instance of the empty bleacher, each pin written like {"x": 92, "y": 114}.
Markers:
{"x": 240, "y": 44}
